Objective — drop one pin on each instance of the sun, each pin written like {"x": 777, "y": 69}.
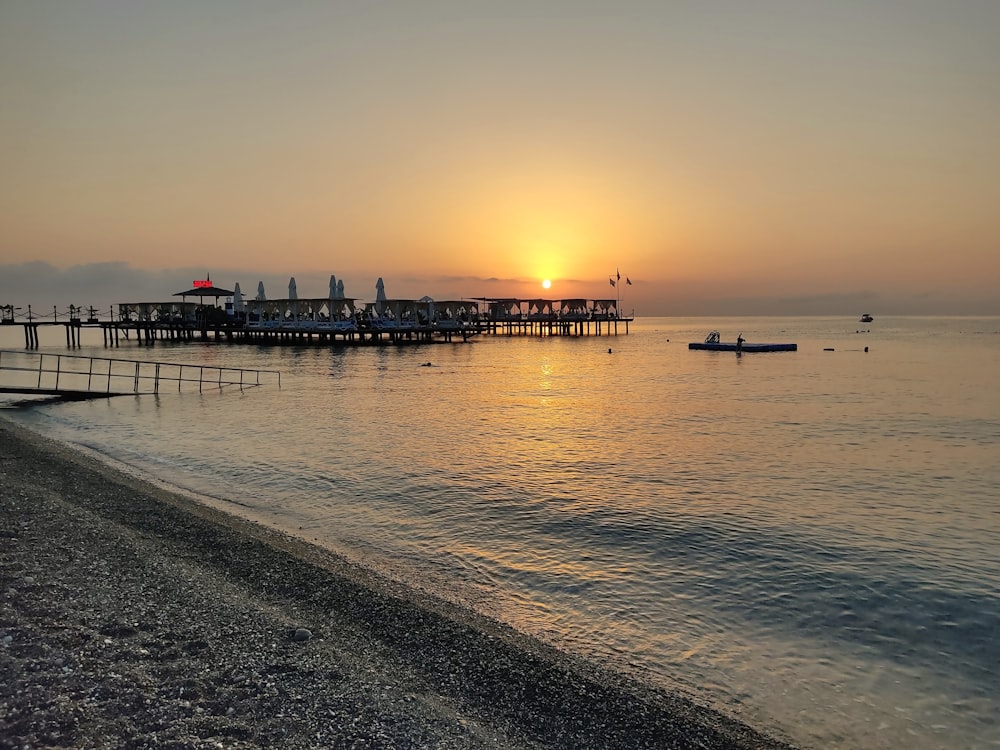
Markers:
{"x": 546, "y": 284}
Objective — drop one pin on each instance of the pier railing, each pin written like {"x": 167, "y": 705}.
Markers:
{"x": 76, "y": 376}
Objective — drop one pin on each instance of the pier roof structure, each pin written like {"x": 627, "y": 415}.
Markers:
{"x": 205, "y": 291}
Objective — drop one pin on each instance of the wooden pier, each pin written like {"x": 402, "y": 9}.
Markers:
{"x": 335, "y": 322}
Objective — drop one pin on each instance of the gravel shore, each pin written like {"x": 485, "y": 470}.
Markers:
{"x": 131, "y": 617}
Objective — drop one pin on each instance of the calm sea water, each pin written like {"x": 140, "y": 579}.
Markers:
{"x": 809, "y": 541}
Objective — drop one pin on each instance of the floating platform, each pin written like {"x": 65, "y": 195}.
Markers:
{"x": 724, "y": 346}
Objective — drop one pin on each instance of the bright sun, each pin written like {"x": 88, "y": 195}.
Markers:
{"x": 546, "y": 284}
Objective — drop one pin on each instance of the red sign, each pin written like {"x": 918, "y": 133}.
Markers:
{"x": 205, "y": 283}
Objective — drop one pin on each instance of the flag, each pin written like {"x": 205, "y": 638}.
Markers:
{"x": 618, "y": 274}
{"x": 611, "y": 281}
{"x": 628, "y": 281}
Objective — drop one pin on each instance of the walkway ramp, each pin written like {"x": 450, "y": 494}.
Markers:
{"x": 76, "y": 377}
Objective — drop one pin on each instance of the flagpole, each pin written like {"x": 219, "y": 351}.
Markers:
{"x": 616, "y": 282}
{"x": 618, "y": 292}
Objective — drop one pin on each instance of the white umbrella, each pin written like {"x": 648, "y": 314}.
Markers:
{"x": 237, "y": 298}
{"x": 292, "y": 292}
{"x": 430, "y": 306}
{"x": 260, "y": 292}
{"x": 380, "y": 297}
{"x": 333, "y": 297}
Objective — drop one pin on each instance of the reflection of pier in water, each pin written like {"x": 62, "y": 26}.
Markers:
{"x": 336, "y": 321}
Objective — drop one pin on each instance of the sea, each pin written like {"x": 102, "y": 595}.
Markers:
{"x": 807, "y": 541}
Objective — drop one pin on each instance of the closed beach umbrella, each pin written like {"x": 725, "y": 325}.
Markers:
{"x": 237, "y": 298}
{"x": 292, "y": 291}
{"x": 380, "y": 297}
{"x": 340, "y": 289}
{"x": 333, "y": 297}
{"x": 260, "y": 292}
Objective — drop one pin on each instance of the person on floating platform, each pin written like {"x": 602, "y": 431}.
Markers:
{"x": 739, "y": 343}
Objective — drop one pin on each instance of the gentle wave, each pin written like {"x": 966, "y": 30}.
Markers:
{"x": 808, "y": 540}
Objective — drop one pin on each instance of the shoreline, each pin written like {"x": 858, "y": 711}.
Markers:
{"x": 136, "y": 617}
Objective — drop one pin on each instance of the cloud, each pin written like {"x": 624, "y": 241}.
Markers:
{"x": 98, "y": 285}
{"x": 101, "y": 285}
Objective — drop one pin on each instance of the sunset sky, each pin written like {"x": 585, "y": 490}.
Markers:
{"x": 728, "y": 156}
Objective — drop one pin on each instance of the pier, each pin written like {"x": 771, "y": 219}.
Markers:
{"x": 71, "y": 322}
{"x": 331, "y": 321}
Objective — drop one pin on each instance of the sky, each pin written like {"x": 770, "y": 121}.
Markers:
{"x": 728, "y": 157}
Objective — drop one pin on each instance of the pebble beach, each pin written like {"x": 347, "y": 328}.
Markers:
{"x": 133, "y": 617}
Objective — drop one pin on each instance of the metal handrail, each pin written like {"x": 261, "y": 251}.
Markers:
{"x": 139, "y": 375}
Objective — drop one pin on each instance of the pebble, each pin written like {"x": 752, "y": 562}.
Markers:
{"x": 471, "y": 690}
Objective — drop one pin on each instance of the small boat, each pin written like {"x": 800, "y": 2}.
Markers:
{"x": 866, "y": 318}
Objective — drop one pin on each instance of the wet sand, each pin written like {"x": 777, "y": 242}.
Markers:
{"x": 133, "y": 617}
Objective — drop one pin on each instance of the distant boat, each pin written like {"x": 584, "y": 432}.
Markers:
{"x": 866, "y": 318}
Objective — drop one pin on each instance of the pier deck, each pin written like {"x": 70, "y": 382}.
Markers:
{"x": 143, "y": 332}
